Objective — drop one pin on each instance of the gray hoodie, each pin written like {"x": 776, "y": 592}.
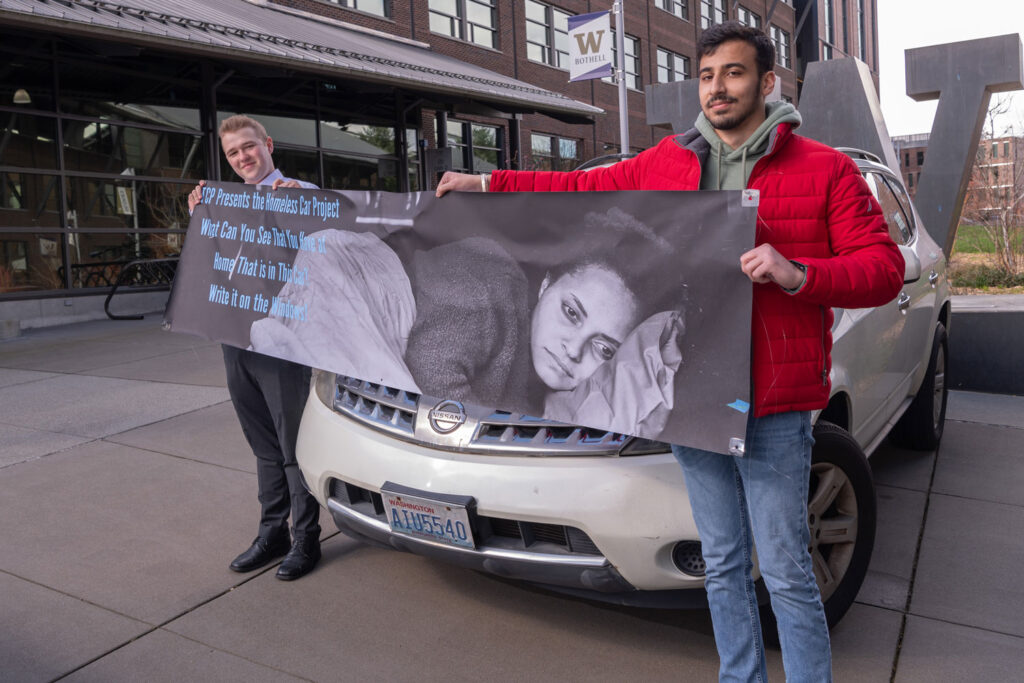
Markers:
{"x": 728, "y": 168}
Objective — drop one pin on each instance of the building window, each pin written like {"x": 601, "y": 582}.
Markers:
{"x": 479, "y": 147}
{"x": 547, "y": 34}
{"x": 830, "y": 30}
{"x": 672, "y": 67}
{"x": 1006, "y": 149}
{"x": 995, "y": 150}
{"x": 910, "y": 181}
{"x": 676, "y": 7}
{"x": 846, "y": 28}
{"x": 381, "y": 8}
{"x": 631, "y": 67}
{"x": 474, "y": 21}
{"x": 906, "y": 159}
{"x": 862, "y": 37}
{"x": 552, "y": 153}
{"x": 920, "y": 158}
{"x": 711, "y": 12}
{"x": 781, "y": 40}
{"x": 747, "y": 17}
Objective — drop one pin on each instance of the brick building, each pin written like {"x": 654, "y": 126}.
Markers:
{"x": 527, "y": 40}
{"x": 997, "y": 179}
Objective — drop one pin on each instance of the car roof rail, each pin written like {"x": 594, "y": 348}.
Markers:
{"x": 604, "y": 160}
{"x": 860, "y": 154}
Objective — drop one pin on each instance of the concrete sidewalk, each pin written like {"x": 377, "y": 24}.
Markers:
{"x": 127, "y": 487}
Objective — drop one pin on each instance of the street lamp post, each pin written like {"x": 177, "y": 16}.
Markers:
{"x": 620, "y": 74}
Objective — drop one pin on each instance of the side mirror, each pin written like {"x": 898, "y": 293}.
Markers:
{"x": 913, "y": 271}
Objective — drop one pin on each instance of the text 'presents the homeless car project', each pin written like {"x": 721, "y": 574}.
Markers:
{"x": 619, "y": 311}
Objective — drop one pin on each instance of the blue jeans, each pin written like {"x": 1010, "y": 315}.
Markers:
{"x": 760, "y": 498}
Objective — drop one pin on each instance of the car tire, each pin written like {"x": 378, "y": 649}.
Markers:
{"x": 841, "y": 514}
{"x": 921, "y": 427}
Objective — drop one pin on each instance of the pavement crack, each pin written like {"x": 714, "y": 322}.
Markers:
{"x": 175, "y": 455}
{"x": 52, "y": 453}
{"x": 913, "y": 572}
{"x": 164, "y": 623}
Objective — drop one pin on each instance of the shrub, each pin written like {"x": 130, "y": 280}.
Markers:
{"x": 983, "y": 276}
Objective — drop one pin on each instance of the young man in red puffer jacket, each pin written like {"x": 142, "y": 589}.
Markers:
{"x": 821, "y": 241}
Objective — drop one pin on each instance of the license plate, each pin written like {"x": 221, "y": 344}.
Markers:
{"x": 431, "y": 516}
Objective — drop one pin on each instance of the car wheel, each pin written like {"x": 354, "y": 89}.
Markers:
{"x": 841, "y": 517}
{"x": 921, "y": 426}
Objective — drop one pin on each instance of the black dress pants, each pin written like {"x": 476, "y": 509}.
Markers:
{"x": 269, "y": 395}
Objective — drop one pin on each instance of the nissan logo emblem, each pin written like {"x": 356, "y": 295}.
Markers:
{"x": 446, "y": 417}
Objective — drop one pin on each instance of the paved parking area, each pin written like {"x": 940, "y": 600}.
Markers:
{"x": 127, "y": 487}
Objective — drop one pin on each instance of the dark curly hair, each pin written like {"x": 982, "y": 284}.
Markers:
{"x": 717, "y": 34}
{"x": 626, "y": 247}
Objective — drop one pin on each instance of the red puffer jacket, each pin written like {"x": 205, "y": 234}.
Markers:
{"x": 814, "y": 208}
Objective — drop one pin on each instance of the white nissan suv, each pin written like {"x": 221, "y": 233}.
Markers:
{"x": 605, "y": 515}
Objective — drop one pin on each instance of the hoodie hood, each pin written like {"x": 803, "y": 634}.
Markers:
{"x": 728, "y": 168}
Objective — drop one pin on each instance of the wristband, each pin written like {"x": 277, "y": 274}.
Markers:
{"x": 485, "y": 182}
{"x": 803, "y": 269}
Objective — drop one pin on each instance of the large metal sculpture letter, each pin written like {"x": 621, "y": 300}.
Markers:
{"x": 840, "y": 107}
{"x": 962, "y": 76}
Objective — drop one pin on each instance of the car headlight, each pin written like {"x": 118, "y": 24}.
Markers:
{"x": 326, "y": 386}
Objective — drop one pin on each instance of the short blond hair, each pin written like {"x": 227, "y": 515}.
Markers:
{"x": 240, "y": 121}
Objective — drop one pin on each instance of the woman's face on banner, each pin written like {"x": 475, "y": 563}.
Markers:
{"x": 578, "y": 323}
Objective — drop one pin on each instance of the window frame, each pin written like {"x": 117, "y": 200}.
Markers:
{"x": 634, "y": 57}
{"x": 465, "y": 29}
{"x": 830, "y": 30}
{"x": 468, "y": 146}
{"x": 783, "y": 52}
{"x": 712, "y": 12}
{"x": 673, "y": 56}
{"x": 354, "y": 5}
{"x": 553, "y": 57}
{"x": 670, "y": 6}
{"x": 740, "y": 10}
{"x": 862, "y": 37}
{"x": 557, "y": 160}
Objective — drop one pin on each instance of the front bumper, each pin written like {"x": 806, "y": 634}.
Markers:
{"x": 633, "y": 509}
{"x": 592, "y": 573}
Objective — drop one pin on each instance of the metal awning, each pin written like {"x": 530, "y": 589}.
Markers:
{"x": 257, "y": 31}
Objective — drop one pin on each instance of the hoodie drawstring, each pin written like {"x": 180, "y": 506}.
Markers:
{"x": 718, "y": 157}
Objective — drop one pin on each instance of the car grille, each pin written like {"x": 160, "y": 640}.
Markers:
{"x": 406, "y": 415}
{"x": 488, "y": 531}
{"x": 389, "y": 409}
{"x": 507, "y": 431}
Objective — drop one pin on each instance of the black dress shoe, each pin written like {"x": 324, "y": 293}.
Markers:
{"x": 261, "y": 552}
{"x": 300, "y": 560}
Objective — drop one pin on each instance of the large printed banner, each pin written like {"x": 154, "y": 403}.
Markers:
{"x": 622, "y": 311}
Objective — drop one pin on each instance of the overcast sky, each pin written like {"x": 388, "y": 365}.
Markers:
{"x": 904, "y": 24}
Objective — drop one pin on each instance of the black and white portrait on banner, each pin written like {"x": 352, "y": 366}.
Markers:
{"x": 621, "y": 311}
